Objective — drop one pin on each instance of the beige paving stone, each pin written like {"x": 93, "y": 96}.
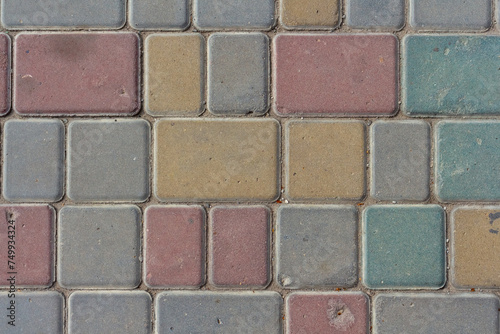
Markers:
{"x": 310, "y": 14}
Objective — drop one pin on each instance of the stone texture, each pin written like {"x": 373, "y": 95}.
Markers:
{"x": 159, "y": 14}
{"x": 316, "y": 246}
{"x": 99, "y": 247}
{"x": 375, "y": 14}
{"x": 174, "y": 246}
{"x": 404, "y": 247}
{"x": 221, "y": 159}
{"x": 324, "y": 160}
{"x": 238, "y": 73}
{"x": 335, "y": 75}
{"x": 5, "y": 69}
{"x": 313, "y": 14}
{"x": 174, "y": 74}
{"x": 76, "y": 73}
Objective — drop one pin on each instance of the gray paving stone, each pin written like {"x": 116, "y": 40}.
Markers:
{"x": 435, "y": 313}
{"x": 366, "y": 14}
{"x": 112, "y": 312}
{"x": 159, "y": 14}
{"x": 316, "y": 246}
{"x": 99, "y": 247}
{"x": 225, "y": 312}
{"x": 400, "y": 160}
{"x": 108, "y": 160}
{"x": 33, "y": 154}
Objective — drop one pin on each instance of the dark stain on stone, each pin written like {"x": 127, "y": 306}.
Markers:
{"x": 494, "y": 231}
{"x": 436, "y": 50}
{"x": 493, "y": 217}
{"x": 72, "y": 47}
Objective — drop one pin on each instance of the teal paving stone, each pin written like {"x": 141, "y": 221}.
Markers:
{"x": 224, "y": 312}
{"x": 316, "y": 246}
{"x": 108, "y": 160}
{"x": 450, "y": 75}
{"x": 33, "y": 155}
{"x": 99, "y": 247}
{"x": 238, "y": 73}
{"x": 377, "y": 14}
{"x": 159, "y": 14}
{"x": 404, "y": 247}
{"x": 110, "y": 312}
{"x": 400, "y": 160}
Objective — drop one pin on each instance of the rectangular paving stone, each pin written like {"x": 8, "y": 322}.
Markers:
{"x": 238, "y": 73}
{"x": 404, "y": 247}
{"x": 375, "y": 14}
{"x": 216, "y": 159}
{"x": 450, "y": 75}
{"x": 99, "y": 247}
{"x": 33, "y": 156}
{"x": 316, "y": 246}
{"x": 312, "y": 14}
{"x": 400, "y": 160}
{"x": 174, "y": 74}
{"x": 5, "y": 69}
{"x": 159, "y": 14}
{"x": 174, "y": 246}
{"x": 76, "y": 74}
{"x": 335, "y": 75}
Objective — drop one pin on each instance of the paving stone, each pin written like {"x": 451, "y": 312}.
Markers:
{"x": 76, "y": 73}
{"x": 33, "y": 155}
{"x": 113, "y": 312}
{"x": 400, "y": 160}
{"x": 324, "y": 160}
{"x": 226, "y": 312}
{"x": 238, "y": 73}
{"x": 327, "y": 312}
{"x": 159, "y": 14}
{"x": 27, "y": 230}
{"x": 5, "y": 68}
{"x": 239, "y": 246}
{"x": 404, "y": 247}
{"x": 99, "y": 247}
{"x": 467, "y": 160}
{"x": 450, "y": 75}
{"x": 175, "y": 246}
{"x": 316, "y": 246}
{"x": 174, "y": 74}
{"x": 313, "y": 14}
{"x": 216, "y": 159}
{"x": 335, "y": 75}
{"x": 435, "y": 313}
{"x": 108, "y": 160}
{"x": 378, "y": 14}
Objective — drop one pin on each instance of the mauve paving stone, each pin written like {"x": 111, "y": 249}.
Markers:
{"x": 404, "y": 247}
{"x": 174, "y": 246}
{"x": 312, "y": 14}
{"x": 378, "y": 14}
{"x": 76, "y": 74}
{"x": 316, "y": 246}
{"x": 238, "y": 73}
{"x": 99, "y": 247}
{"x": 5, "y": 69}
{"x": 335, "y": 75}
{"x": 159, "y": 14}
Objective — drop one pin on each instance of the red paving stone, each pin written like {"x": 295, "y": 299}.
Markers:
{"x": 4, "y": 74}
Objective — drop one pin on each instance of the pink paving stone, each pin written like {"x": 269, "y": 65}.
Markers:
{"x": 34, "y": 244}
{"x": 175, "y": 246}
{"x": 239, "y": 239}
{"x": 4, "y": 74}
{"x": 76, "y": 73}
{"x": 336, "y": 75}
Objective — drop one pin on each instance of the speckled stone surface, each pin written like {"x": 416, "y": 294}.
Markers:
{"x": 159, "y": 14}
{"x": 5, "y": 69}
{"x": 312, "y": 14}
{"x": 377, "y": 14}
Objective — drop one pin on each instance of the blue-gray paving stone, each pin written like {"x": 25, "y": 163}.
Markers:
{"x": 238, "y": 73}
{"x": 108, "y": 160}
{"x": 316, "y": 246}
{"x": 33, "y": 154}
{"x": 112, "y": 312}
{"x": 99, "y": 247}
{"x": 400, "y": 160}
{"x": 225, "y": 312}
{"x": 366, "y": 14}
{"x": 435, "y": 313}
{"x": 159, "y": 14}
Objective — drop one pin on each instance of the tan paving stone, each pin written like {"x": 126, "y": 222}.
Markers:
{"x": 310, "y": 14}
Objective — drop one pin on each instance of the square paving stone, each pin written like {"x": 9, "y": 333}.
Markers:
{"x": 239, "y": 246}
{"x": 378, "y": 14}
{"x": 33, "y": 155}
{"x": 400, "y": 160}
{"x": 226, "y": 312}
{"x": 5, "y": 69}
{"x": 159, "y": 14}
{"x": 312, "y": 14}
{"x": 217, "y": 159}
{"x": 238, "y": 73}
{"x": 110, "y": 312}
{"x": 108, "y": 160}
{"x": 335, "y": 75}
{"x": 468, "y": 160}
{"x": 325, "y": 160}
{"x": 316, "y": 246}
{"x": 174, "y": 74}
{"x": 76, "y": 73}
{"x": 404, "y": 247}
{"x": 99, "y": 247}
{"x": 174, "y": 246}
{"x": 27, "y": 235}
